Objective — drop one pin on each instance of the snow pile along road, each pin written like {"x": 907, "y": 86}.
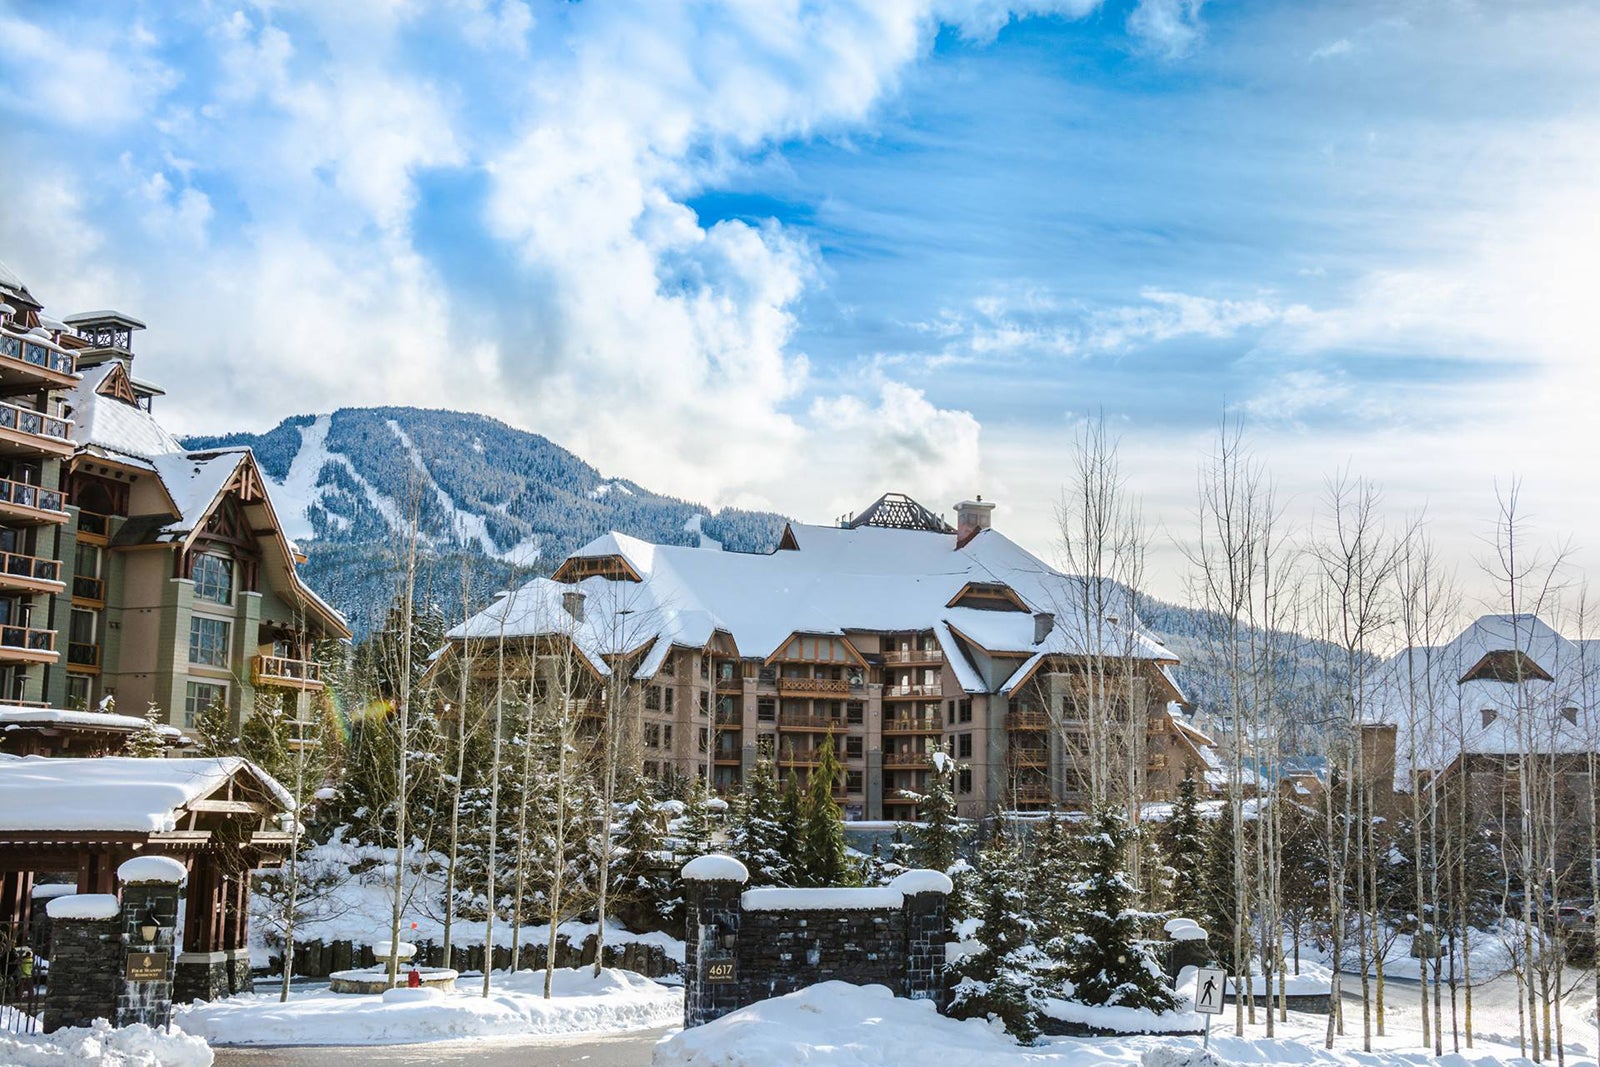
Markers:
{"x": 844, "y": 1025}
{"x": 580, "y": 1003}
{"x": 101, "y": 1046}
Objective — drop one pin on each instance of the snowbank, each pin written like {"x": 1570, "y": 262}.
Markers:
{"x": 581, "y": 1003}
{"x": 843, "y": 1025}
{"x": 101, "y": 1046}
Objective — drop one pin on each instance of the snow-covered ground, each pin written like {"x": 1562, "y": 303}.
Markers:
{"x": 102, "y": 1046}
{"x": 616, "y": 1000}
{"x": 853, "y": 1026}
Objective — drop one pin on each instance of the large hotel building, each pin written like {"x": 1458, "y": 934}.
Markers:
{"x": 894, "y": 633}
{"x": 131, "y": 568}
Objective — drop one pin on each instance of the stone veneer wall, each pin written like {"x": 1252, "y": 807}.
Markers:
{"x": 777, "y": 951}
{"x": 85, "y": 972}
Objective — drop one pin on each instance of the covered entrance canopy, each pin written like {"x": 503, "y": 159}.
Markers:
{"x": 220, "y": 817}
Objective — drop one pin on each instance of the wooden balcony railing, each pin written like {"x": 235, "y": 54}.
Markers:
{"x": 92, "y": 522}
{"x": 280, "y": 670}
{"x": 931, "y": 725}
{"x": 23, "y": 495}
{"x": 831, "y": 686}
{"x": 914, "y": 655}
{"x": 30, "y": 568}
{"x": 1031, "y": 794}
{"x": 728, "y": 717}
{"x": 790, "y": 720}
{"x": 1029, "y": 757}
{"x": 87, "y": 588}
{"x": 16, "y": 351}
{"x": 1027, "y": 720}
{"x": 915, "y": 760}
{"x": 800, "y": 758}
{"x": 891, "y": 692}
{"x": 80, "y": 654}
{"x": 27, "y": 639}
{"x": 23, "y": 420}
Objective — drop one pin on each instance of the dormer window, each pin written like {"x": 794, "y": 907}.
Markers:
{"x": 1489, "y": 715}
{"x": 1570, "y": 714}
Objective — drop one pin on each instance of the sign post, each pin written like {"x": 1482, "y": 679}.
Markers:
{"x": 1209, "y": 983}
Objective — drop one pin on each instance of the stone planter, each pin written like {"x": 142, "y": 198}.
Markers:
{"x": 376, "y": 979}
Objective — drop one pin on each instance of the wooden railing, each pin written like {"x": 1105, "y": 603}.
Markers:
{"x": 83, "y": 655}
{"x": 890, "y": 691}
{"x": 930, "y": 725}
{"x": 789, "y": 720}
{"x": 1029, "y": 757}
{"x": 36, "y": 567}
{"x": 28, "y": 421}
{"x": 280, "y": 670}
{"x": 917, "y": 760}
{"x": 17, "y": 350}
{"x": 813, "y": 685}
{"x": 1027, "y": 720}
{"x": 26, "y": 495}
{"x": 87, "y": 588}
{"x": 26, "y": 637}
{"x": 1031, "y": 794}
{"x": 92, "y": 522}
{"x": 914, "y": 655}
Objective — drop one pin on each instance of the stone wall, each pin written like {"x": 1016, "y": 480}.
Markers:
{"x": 85, "y": 972}
{"x": 742, "y": 949}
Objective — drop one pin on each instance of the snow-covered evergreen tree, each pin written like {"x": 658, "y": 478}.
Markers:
{"x": 642, "y": 872}
{"x": 1110, "y": 961}
{"x": 146, "y": 742}
{"x": 1184, "y": 837}
{"x": 824, "y": 858}
{"x": 1001, "y": 979}
{"x": 757, "y": 835}
{"x": 1052, "y": 884}
{"x": 937, "y": 840}
{"x": 791, "y": 812}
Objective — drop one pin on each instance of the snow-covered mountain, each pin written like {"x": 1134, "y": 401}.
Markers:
{"x": 347, "y": 485}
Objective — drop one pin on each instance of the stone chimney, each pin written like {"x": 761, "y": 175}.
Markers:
{"x": 972, "y": 517}
{"x": 572, "y": 602}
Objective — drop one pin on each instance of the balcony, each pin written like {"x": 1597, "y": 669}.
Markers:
{"x": 94, "y": 524}
{"x": 813, "y": 686}
{"x": 733, "y": 684}
{"x": 87, "y": 588}
{"x": 1028, "y": 757}
{"x": 30, "y": 573}
{"x": 29, "y": 432}
{"x": 23, "y": 644}
{"x": 29, "y": 364}
{"x": 1031, "y": 794}
{"x": 912, "y": 692}
{"x": 931, "y": 725}
{"x": 288, "y": 673}
{"x": 83, "y": 654}
{"x": 908, "y": 656}
{"x": 21, "y": 502}
{"x": 916, "y": 761}
{"x": 800, "y": 758}
{"x": 798, "y": 721}
{"x": 1027, "y": 720}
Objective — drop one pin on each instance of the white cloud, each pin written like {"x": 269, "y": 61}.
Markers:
{"x": 1170, "y": 27}
{"x": 81, "y": 81}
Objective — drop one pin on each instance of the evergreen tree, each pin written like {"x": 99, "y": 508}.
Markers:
{"x": 1185, "y": 845}
{"x": 1219, "y": 891}
{"x": 641, "y": 871}
{"x": 937, "y": 841}
{"x": 757, "y": 838}
{"x": 1110, "y": 962}
{"x": 146, "y": 742}
{"x": 267, "y": 737}
{"x": 824, "y": 859}
{"x": 1001, "y": 979}
{"x": 213, "y": 730}
{"x": 791, "y": 814}
{"x": 1052, "y": 885}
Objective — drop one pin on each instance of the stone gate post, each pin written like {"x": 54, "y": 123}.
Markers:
{"x": 926, "y": 896}
{"x": 149, "y": 902}
{"x": 711, "y": 980}
{"x": 85, "y": 960}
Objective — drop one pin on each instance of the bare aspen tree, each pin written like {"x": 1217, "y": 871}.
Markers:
{"x": 464, "y": 664}
{"x": 403, "y": 719}
{"x": 502, "y": 609}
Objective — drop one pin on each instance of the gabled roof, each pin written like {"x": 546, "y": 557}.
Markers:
{"x": 896, "y": 511}
{"x": 118, "y": 793}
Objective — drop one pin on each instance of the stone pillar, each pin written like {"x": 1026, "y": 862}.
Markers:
{"x": 711, "y": 980}
{"x": 149, "y": 895}
{"x": 85, "y": 960}
{"x": 926, "y": 894}
{"x": 202, "y": 971}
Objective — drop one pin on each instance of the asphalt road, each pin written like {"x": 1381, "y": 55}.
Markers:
{"x": 604, "y": 1050}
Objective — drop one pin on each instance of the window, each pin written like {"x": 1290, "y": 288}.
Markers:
{"x": 213, "y": 578}
{"x": 82, "y": 628}
{"x": 705, "y": 701}
{"x": 88, "y": 560}
{"x": 667, "y": 666}
{"x": 199, "y": 697}
{"x": 705, "y": 666}
{"x": 78, "y": 691}
{"x": 766, "y": 709}
{"x": 964, "y": 710}
{"x": 853, "y": 712}
{"x": 666, "y": 736}
{"x": 652, "y": 699}
{"x": 208, "y": 641}
{"x": 652, "y": 735}
{"x": 669, "y": 701}
{"x": 963, "y": 746}
{"x": 704, "y": 738}
{"x": 852, "y": 748}
{"x": 964, "y": 780}
{"x": 852, "y": 781}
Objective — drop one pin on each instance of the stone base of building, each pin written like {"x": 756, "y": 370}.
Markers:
{"x": 239, "y": 978}
{"x": 203, "y": 976}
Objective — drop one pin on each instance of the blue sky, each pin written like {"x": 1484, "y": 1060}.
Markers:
{"x": 792, "y": 254}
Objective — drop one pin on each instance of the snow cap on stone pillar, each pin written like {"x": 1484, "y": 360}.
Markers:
{"x": 162, "y": 869}
{"x": 715, "y": 868}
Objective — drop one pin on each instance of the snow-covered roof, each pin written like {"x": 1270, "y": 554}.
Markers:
{"x": 12, "y": 715}
{"x": 1448, "y": 700}
{"x": 106, "y": 422}
{"x": 115, "y": 793}
{"x": 837, "y": 580}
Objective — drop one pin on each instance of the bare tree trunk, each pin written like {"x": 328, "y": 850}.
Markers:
{"x": 403, "y": 712}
